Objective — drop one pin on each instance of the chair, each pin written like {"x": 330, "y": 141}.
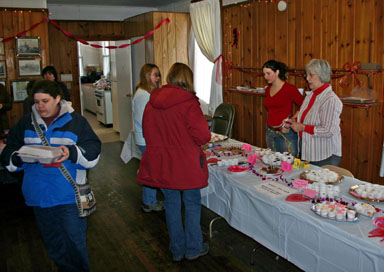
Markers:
{"x": 222, "y": 119}
{"x": 339, "y": 170}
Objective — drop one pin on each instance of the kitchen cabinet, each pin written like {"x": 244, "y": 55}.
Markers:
{"x": 88, "y": 97}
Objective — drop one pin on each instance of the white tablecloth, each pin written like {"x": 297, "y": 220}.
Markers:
{"x": 291, "y": 229}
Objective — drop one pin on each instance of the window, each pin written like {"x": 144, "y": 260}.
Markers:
{"x": 202, "y": 74}
{"x": 81, "y": 63}
{"x": 106, "y": 62}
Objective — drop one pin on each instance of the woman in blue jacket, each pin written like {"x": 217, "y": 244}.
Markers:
{"x": 44, "y": 186}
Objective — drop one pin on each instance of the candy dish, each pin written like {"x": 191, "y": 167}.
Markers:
{"x": 322, "y": 176}
{"x": 354, "y": 191}
{"x": 217, "y": 137}
{"x": 353, "y": 217}
{"x": 263, "y": 171}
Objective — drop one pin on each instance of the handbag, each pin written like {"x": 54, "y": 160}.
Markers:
{"x": 85, "y": 198}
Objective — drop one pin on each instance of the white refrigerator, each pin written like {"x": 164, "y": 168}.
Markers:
{"x": 121, "y": 87}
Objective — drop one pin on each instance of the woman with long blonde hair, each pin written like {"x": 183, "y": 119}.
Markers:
{"x": 150, "y": 78}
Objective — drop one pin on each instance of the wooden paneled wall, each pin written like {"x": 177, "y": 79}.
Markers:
{"x": 338, "y": 31}
{"x": 12, "y": 22}
{"x": 167, "y": 45}
{"x": 63, "y": 50}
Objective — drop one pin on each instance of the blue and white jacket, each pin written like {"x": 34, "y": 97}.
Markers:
{"x": 46, "y": 186}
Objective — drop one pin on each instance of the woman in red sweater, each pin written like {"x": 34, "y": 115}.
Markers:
{"x": 279, "y": 99}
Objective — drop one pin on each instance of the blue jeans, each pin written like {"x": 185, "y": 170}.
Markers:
{"x": 190, "y": 241}
{"x": 282, "y": 142}
{"x": 149, "y": 193}
{"x": 64, "y": 235}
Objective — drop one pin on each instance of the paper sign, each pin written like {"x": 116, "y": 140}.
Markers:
{"x": 274, "y": 189}
{"x": 285, "y": 166}
{"x": 300, "y": 183}
{"x": 247, "y": 147}
{"x": 252, "y": 158}
{"x": 310, "y": 193}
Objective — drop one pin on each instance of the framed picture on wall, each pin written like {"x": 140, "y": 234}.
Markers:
{"x": 19, "y": 90}
{"x": 29, "y": 67}
{"x": 28, "y": 46}
{"x": 2, "y": 82}
{"x": 2, "y": 47}
{"x": 3, "y": 69}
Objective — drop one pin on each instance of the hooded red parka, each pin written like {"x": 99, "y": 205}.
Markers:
{"x": 174, "y": 129}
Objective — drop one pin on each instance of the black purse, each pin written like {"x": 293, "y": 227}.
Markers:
{"x": 85, "y": 198}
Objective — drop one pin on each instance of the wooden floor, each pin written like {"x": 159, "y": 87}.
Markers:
{"x": 120, "y": 236}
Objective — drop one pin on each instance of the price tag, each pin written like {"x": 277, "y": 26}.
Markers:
{"x": 310, "y": 193}
{"x": 286, "y": 167}
{"x": 247, "y": 147}
{"x": 252, "y": 159}
{"x": 300, "y": 183}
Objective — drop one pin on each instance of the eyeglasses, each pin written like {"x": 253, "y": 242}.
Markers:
{"x": 310, "y": 75}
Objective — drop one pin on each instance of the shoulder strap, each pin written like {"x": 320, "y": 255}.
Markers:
{"x": 38, "y": 130}
{"x": 62, "y": 168}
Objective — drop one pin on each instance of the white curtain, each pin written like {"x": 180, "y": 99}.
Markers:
{"x": 206, "y": 24}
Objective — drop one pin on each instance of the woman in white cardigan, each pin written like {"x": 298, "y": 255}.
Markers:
{"x": 150, "y": 78}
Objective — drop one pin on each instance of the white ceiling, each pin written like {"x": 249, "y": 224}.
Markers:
{"x": 136, "y": 3}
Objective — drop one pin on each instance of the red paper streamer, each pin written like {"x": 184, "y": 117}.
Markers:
{"x": 83, "y": 41}
{"x": 25, "y": 31}
{"x": 110, "y": 47}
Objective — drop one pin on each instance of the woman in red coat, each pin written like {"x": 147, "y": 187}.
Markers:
{"x": 174, "y": 129}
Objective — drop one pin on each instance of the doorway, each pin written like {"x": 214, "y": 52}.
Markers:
{"x": 94, "y": 63}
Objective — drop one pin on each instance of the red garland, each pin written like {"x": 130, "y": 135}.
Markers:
{"x": 25, "y": 31}
{"x": 110, "y": 47}
{"x": 83, "y": 41}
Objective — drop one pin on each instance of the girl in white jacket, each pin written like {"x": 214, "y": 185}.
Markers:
{"x": 150, "y": 78}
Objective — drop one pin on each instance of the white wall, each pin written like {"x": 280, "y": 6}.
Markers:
{"x": 94, "y": 13}
{"x": 230, "y": 2}
{"x": 181, "y": 6}
{"x": 23, "y": 3}
{"x": 91, "y": 56}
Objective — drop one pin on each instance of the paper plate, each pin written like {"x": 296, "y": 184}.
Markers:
{"x": 238, "y": 169}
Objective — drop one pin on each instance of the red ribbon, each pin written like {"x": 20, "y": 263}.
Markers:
{"x": 351, "y": 70}
{"x": 83, "y": 41}
{"x": 111, "y": 46}
{"x": 25, "y": 31}
{"x": 218, "y": 69}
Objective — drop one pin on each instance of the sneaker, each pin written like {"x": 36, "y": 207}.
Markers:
{"x": 156, "y": 207}
{"x": 204, "y": 251}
